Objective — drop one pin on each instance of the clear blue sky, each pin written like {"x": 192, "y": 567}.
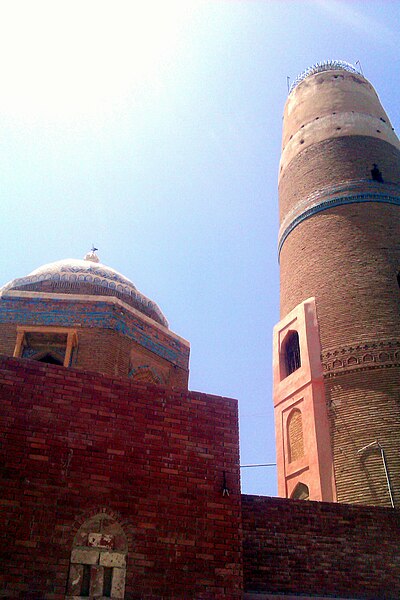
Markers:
{"x": 153, "y": 129}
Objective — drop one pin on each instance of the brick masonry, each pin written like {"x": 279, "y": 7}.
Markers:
{"x": 364, "y": 407}
{"x": 350, "y": 268}
{"x": 321, "y": 549}
{"x": 330, "y": 163}
{"x": 74, "y": 444}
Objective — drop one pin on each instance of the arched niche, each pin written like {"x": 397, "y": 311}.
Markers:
{"x": 290, "y": 354}
{"x": 145, "y": 374}
{"x": 301, "y": 492}
{"x": 295, "y": 435}
{"x": 98, "y": 560}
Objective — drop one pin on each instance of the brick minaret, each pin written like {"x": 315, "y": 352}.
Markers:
{"x": 337, "y": 346}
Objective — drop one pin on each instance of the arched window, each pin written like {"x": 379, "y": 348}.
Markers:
{"x": 291, "y": 353}
{"x": 295, "y": 435}
{"x": 300, "y": 492}
{"x": 98, "y": 560}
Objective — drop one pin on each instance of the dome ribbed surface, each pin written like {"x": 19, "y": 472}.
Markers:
{"x": 86, "y": 277}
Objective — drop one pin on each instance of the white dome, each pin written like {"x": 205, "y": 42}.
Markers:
{"x": 92, "y": 276}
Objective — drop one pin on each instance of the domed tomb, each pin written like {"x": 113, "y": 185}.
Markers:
{"x": 87, "y": 276}
{"x": 84, "y": 314}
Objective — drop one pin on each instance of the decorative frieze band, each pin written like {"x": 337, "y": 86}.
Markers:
{"x": 89, "y": 312}
{"x": 319, "y": 206}
{"x": 361, "y": 356}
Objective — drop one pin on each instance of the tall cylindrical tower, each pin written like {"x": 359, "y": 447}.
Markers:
{"x": 339, "y": 249}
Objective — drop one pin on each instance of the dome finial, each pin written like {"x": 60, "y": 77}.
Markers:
{"x": 91, "y": 255}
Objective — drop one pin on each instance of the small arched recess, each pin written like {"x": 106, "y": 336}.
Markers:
{"x": 290, "y": 354}
{"x": 295, "y": 435}
{"x": 301, "y": 492}
{"x": 98, "y": 560}
{"x": 145, "y": 374}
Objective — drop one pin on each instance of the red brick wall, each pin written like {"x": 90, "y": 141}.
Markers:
{"x": 8, "y": 338}
{"x": 73, "y": 444}
{"x": 317, "y": 548}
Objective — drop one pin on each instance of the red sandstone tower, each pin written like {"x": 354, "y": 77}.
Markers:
{"x": 337, "y": 346}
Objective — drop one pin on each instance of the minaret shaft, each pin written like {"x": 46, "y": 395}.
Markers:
{"x": 339, "y": 244}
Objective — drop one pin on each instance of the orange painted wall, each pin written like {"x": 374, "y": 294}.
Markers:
{"x": 304, "y": 390}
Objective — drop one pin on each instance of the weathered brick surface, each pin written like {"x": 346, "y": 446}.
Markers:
{"x": 348, "y": 258}
{"x": 334, "y": 162}
{"x": 364, "y": 407}
{"x": 338, "y": 550}
{"x": 74, "y": 443}
{"x": 358, "y": 307}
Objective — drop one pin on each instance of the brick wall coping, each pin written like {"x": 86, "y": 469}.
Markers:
{"x": 102, "y": 381}
{"x": 315, "y": 506}
{"x": 255, "y": 596}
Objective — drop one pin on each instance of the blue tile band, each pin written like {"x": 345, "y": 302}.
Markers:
{"x": 36, "y": 311}
{"x": 331, "y": 203}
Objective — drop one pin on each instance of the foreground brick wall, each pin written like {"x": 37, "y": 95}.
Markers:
{"x": 74, "y": 444}
{"x": 318, "y": 548}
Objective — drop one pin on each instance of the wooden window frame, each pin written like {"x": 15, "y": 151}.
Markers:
{"x": 72, "y": 339}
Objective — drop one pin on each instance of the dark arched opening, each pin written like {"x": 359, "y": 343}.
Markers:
{"x": 291, "y": 353}
{"x": 301, "y": 492}
{"x": 376, "y": 174}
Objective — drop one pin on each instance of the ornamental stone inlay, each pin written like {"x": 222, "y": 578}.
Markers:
{"x": 361, "y": 356}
